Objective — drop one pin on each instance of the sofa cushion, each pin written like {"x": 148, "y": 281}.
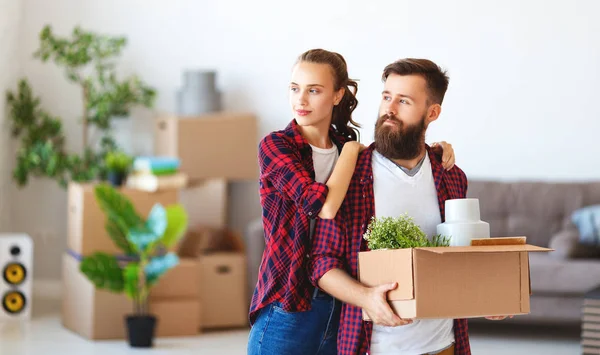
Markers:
{"x": 587, "y": 220}
{"x": 562, "y": 276}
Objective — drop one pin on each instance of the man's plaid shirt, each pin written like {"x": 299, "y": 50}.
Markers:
{"x": 337, "y": 242}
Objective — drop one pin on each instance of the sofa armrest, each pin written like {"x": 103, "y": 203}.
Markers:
{"x": 566, "y": 245}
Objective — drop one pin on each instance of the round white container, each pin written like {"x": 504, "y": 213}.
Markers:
{"x": 463, "y": 222}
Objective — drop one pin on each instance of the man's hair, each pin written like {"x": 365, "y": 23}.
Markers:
{"x": 435, "y": 77}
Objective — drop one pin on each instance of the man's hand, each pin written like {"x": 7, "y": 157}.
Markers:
{"x": 379, "y": 310}
{"x": 498, "y": 317}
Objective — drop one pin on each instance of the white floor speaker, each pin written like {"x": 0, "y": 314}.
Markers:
{"x": 16, "y": 265}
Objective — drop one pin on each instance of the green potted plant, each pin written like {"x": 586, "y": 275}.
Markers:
{"x": 144, "y": 242}
{"x": 89, "y": 60}
{"x": 117, "y": 165}
{"x": 399, "y": 232}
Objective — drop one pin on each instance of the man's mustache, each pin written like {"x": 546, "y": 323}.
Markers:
{"x": 389, "y": 116}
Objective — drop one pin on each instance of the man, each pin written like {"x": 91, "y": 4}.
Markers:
{"x": 397, "y": 174}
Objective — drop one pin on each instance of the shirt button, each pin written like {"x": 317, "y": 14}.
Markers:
{"x": 362, "y": 226}
{"x": 364, "y": 195}
{"x": 310, "y": 213}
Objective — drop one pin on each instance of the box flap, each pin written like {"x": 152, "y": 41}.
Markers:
{"x": 206, "y": 240}
{"x": 487, "y": 249}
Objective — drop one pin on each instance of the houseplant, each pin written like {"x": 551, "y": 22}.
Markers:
{"x": 399, "y": 232}
{"x": 118, "y": 164}
{"x": 88, "y": 60}
{"x": 143, "y": 242}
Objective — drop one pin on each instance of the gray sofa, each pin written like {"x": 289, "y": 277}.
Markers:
{"x": 541, "y": 211}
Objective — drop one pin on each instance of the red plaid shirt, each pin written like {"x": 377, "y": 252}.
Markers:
{"x": 289, "y": 197}
{"x": 337, "y": 242}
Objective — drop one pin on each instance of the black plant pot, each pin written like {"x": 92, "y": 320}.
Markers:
{"x": 140, "y": 330}
{"x": 116, "y": 178}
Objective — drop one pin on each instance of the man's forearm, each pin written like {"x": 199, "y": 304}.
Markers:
{"x": 342, "y": 286}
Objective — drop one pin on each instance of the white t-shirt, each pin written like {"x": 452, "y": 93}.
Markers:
{"x": 397, "y": 193}
{"x": 324, "y": 160}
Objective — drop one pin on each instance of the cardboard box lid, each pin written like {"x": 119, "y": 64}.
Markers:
{"x": 485, "y": 249}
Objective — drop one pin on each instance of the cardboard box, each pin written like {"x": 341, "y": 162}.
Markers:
{"x": 216, "y": 145}
{"x": 452, "y": 282}
{"x": 100, "y": 315}
{"x": 223, "y": 290}
{"x": 176, "y": 317}
{"x": 93, "y": 314}
{"x": 206, "y": 203}
{"x": 222, "y": 259}
{"x": 181, "y": 282}
{"x": 86, "y": 221}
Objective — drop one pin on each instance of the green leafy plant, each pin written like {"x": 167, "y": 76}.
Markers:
{"x": 118, "y": 161}
{"x": 400, "y": 232}
{"x": 88, "y": 60}
{"x": 142, "y": 240}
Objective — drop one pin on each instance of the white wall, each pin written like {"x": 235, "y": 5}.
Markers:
{"x": 10, "y": 18}
{"x": 520, "y": 103}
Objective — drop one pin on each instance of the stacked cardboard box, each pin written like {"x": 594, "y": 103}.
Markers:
{"x": 177, "y": 293}
{"x": 214, "y": 149}
{"x": 222, "y": 262}
{"x": 221, "y": 145}
{"x": 207, "y": 287}
{"x": 86, "y": 221}
{"x": 100, "y": 314}
{"x": 590, "y": 325}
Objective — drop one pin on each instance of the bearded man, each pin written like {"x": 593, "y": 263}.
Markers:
{"x": 398, "y": 174}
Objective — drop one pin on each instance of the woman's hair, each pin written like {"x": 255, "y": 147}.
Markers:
{"x": 342, "y": 112}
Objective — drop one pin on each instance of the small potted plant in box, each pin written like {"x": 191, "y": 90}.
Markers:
{"x": 117, "y": 165}
{"x": 144, "y": 242}
{"x": 400, "y": 232}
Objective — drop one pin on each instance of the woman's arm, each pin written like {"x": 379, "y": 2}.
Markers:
{"x": 340, "y": 179}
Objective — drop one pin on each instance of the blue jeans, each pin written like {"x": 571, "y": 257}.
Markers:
{"x": 314, "y": 332}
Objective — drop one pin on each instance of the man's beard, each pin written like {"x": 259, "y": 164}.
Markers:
{"x": 403, "y": 142}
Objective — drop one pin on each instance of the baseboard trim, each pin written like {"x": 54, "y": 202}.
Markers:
{"x": 47, "y": 289}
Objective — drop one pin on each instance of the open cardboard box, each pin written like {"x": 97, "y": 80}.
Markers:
{"x": 488, "y": 278}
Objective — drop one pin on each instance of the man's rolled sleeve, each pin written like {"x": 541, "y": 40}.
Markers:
{"x": 328, "y": 248}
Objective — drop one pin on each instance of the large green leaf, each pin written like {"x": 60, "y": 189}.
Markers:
{"x": 177, "y": 223}
{"x": 104, "y": 271}
{"x": 118, "y": 237}
{"x": 110, "y": 200}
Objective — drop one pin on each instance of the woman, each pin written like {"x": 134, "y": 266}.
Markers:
{"x": 305, "y": 172}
